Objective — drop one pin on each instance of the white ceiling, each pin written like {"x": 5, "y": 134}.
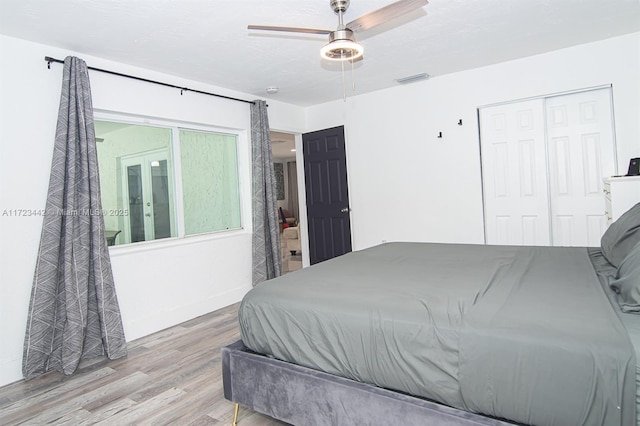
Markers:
{"x": 282, "y": 145}
{"x": 208, "y": 40}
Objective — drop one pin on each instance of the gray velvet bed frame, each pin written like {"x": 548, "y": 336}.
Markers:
{"x": 305, "y": 397}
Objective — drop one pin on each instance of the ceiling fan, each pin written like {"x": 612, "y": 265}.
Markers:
{"x": 342, "y": 44}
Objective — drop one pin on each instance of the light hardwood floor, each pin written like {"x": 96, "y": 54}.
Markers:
{"x": 170, "y": 377}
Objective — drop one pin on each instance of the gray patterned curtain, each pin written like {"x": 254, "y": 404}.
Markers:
{"x": 73, "y": 311}
{"x": 293, "y": 189}
{"x": 266, "y": 230}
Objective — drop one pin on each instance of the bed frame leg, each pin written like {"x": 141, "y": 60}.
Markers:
{"x": 235, "y": 415}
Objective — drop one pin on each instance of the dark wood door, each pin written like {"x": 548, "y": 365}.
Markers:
{"x": 325, "y": 170}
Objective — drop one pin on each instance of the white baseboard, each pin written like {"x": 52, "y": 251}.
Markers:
{"x": 164, "y": 319}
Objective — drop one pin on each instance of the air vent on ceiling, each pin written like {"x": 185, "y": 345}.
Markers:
{"x": 413, "y": 78}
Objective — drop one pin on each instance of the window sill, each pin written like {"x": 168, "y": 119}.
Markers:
{"x": 166, "y": 243}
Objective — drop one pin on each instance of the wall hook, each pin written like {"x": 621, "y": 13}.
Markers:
{"x": 439, "y": 134}
{"x": 460, "y": 122}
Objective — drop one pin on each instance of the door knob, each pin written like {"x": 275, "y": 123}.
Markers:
{"x": 345, "y": 210}
{"x": 147, "y": 214}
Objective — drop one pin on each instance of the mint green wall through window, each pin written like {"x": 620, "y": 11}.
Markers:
{"x": 140, "y": 193}
{"x": 211, "y": 198}
{"x": 116, "y": 143}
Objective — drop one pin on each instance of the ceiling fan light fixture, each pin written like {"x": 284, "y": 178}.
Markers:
{"x": 342, "y": 50}
{"x": 342, "y": 46}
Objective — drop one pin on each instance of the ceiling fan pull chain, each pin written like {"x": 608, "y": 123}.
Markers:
{"x": 353, "y": 77}
{"x": 344, "y": 90}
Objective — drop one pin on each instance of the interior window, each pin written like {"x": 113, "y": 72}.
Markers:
{"x": 209, "y": 181}
{"x": 138, "y": 181}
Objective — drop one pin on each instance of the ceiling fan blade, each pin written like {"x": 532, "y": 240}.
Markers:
{"x": 382, "y": 15}
{"x": 288, "y": 29}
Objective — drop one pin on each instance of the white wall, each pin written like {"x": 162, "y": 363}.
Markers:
{"x": 158, "y": 285}
{"x": 406, "y": 184}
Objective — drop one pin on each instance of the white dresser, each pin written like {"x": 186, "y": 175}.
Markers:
{"x": 621, "y": 193}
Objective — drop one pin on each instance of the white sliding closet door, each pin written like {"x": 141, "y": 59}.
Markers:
{"x": 543, "y": 161}
{"x": 580, "y": 149}
{"x": 514, "y": 174}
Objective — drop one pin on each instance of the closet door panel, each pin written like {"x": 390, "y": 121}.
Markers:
{"x": 580, "y": 149}
{"x": 514, "y": 174}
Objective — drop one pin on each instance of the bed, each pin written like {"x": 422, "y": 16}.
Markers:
{"x": 447, "y": 334}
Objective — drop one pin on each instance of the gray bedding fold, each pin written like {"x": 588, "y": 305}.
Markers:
{"x": 523, "y": 333}
{"x": 546, "y": 335}
{"x": 607, "y": 273}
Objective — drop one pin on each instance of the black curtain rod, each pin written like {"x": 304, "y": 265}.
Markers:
{"x": 49, "y": 60}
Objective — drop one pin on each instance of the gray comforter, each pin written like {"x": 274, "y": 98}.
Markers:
{"x": 522, "y": 333}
